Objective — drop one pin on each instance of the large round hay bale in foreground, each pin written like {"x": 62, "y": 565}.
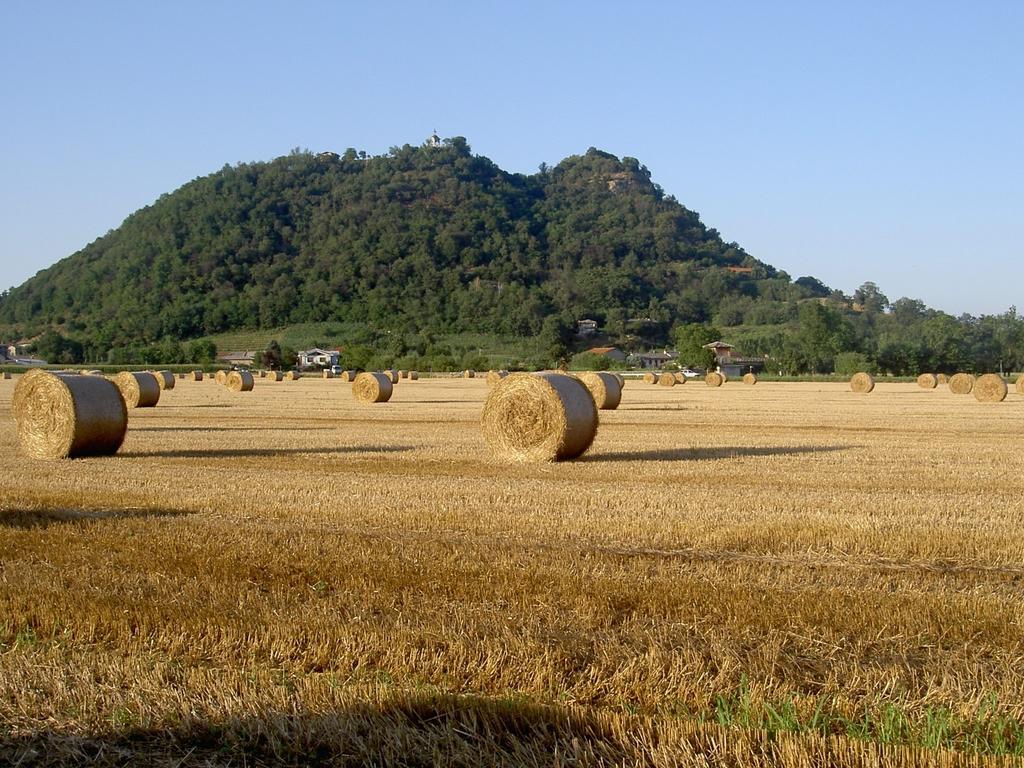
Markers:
{"x": 240, "y": 381}
{"x": 493, "y": 377}
{"x": 990, "y": 388}
{"x": 274, "y": 375}
{"x": 650, "y": 378}
{"x": 139, "y": 390}
{"x": 961, "y": 383}
{"x": 539, "y": 417}
{"x": 196, "y": 375}
{"x": 714, "y": 379}
{"x": 220, "y": 376}
{"x": 927, "y": 381}
{"x": 61, "y": 417}
{"x": 373, "y": 387}
{"x": 469, "y": 373}
{"x": 750, "y": 378}
{"x": 292, "y": 376}
{"x": 666, "y": 379}
{"x": 164, "y": 379}
{"x": 862, "y": 383}
{"x": 604, "y": 387}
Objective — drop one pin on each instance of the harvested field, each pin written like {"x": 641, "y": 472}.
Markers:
{"x": 232, "y": 589}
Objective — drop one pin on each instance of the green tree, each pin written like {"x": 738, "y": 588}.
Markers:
{"x": 690, "y": 340}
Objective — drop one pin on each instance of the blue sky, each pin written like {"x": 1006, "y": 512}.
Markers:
{"x": 852, "y": 142}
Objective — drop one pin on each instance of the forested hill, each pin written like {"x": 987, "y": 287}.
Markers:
{"x": 421, "y": 239}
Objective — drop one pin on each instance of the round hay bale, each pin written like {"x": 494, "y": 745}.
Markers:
{"x": 943, "y": 378}
{"x": 275, "y": 375}
{"x": 414, "y": 375}
{"x": 714, "y": 379}
{"x": 328, "y": 374}
{"x": 604, "y": 387}
{"x": 61, "y": 417}
{"x": 139, "y": 390}
{"x": 263, "y": 374}
{"x": 6, "y": 375}
{"x": 469, "y": 373}
{"x": 621, "y": 380}
{"x": 650, "y": 377}
{"x": 862, "y": 383}
{"x": 750, "y": 378}
{"x": 666, "y": 380}
{"x": 493, "y": 377}
{"x": 403, "y": 374}
{"x": 372, "y": 387}
{"x": 196, "y": 375}
{"x": 539, "y": 417}
{"x": 292, "y": 376}
{"x": 680, "y": 377}
{"x": 1020, "y": 384}
{"x": 220, "y": 376}
{"x": 240, "y": 381}
{"x": 990, "y": 388}
{"x": 393, "y": 375}
{"x": 927, "y": 381}
{"x": 961, "y": 383}
{"x": 348, "y": 375}
{"x": 164, "y": 379}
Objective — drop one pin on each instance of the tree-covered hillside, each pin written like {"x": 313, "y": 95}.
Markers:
{"x": 426, "y": 238}
{"x": 434, "y": 241}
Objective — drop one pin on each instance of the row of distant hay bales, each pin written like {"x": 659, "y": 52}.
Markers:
{"x": 987, "y": 388}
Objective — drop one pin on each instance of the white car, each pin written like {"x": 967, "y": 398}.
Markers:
{"x": 690, "y": 373}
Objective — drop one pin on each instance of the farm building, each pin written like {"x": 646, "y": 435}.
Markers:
{"x": 654, "y": 360}
{"x": 733, "y": 365}
{"x": 239, "y": 359}
{"x": 612, "y": 353}
{"x": 325, "y": 358}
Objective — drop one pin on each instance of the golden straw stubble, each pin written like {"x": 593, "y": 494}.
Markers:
{"x": 604, "y": 387}
{"x": 547, "y": 416}
{"x": 239, "y": 381}
{"x": 927, "y": 381}
{"x": 139, "y": 389}
{"x": 961, "y": 383}
{"x": 990, "y": 388}
{"x": 862, "y": 383}
{"x": 373, "y": 387}
{"x": 60, "y": 417}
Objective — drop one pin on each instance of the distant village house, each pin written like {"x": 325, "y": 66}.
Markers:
{"x": 586, "y": 327}
{"x": 616, "y": 355}
{"x": 237, "y": 359}
{"x": 730, "y": 364}
{"x": 309, "y": 358}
